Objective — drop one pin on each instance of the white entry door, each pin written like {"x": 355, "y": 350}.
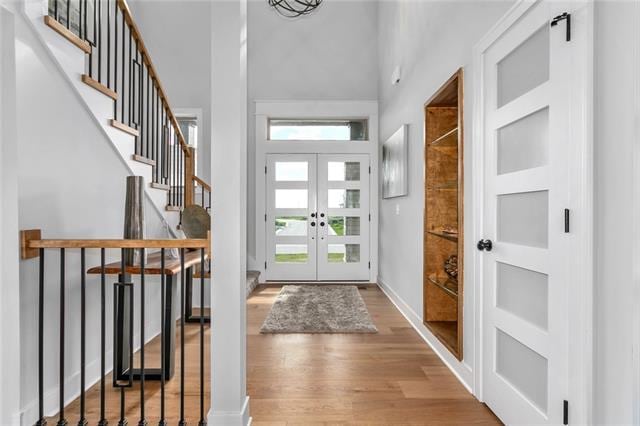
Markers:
{"x": 343, "y": 210}
{"x": 526, "y": 242}
{"x": 317, "y": 217}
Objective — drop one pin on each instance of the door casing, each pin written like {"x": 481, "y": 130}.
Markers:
{"x": 580, "y": 309}
{"x": 264, "y": 110}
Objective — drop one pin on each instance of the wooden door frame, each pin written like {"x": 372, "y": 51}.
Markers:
{"x": 581, "y": 313}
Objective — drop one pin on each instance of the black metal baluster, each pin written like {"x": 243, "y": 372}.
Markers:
{"x": 202, "y": 421}
{"x": 118, "y": 352}
{"x": 61, "y": 420}
{"x": 154, "y": 118}
{"x": 83, "y": 18}
{"x": 99, "y": 41}
{"x": 55, "y": 9}
{"x": 83, "y": 291}
{"x": 142, "y": 421}
{"x": 148, "y": 118}
{"x": 80, "y": 18}
{"x": 108, "y": 45}
{"x": 41, "y": 420}
{"x": 122, "y": 102}
{"x": 131, "y": 88}
{"x": 202, "y": 196}
{"x": 182, "y": 357}
{"x": 68, "y": 14}
{"x": 103, "y": 420}
{"x": 140, "y": 98}
{"x": 115, "y": 59}
{"x": 163, "y": 371}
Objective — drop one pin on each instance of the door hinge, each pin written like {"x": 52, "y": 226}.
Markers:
{"x": 567, "y": 220}
{"x": 265, "y": 264}
{"x": 565, "y": 412}
{"x": 265, "y": 170}
{"x": 265, "y": 217}
{"x": 369, "y": 217}
{"x": 564, "y": 16}
{"x": 369, "y": 169}
{"x": 369, "y": 265}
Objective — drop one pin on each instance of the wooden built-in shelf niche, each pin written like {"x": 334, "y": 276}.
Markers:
{"x": 443, "y": 213}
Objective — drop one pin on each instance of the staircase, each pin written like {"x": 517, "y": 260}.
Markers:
{"x": 99, "y": 48}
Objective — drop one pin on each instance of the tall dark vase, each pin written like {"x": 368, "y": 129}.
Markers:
{"x": 134, "y": 217}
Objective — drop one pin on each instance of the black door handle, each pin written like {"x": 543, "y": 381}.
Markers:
{"x": 313, "y": 224}
{"x": 313, "y": 215}
{"x": 321, "y": 223}
{"x": 321, "y": 214}
{"x": 485, "y": 245}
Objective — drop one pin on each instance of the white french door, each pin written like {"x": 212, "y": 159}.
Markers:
{"x": 317, "y": 217}
{"x": 527, "y": 245}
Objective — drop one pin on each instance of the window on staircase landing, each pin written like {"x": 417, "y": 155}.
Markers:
{"x": 189, "y": 128}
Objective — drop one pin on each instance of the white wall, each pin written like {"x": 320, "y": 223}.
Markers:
{"x": 430, "y": 40}
{"x": 9, "y": 246}
{"x": 71, "y": 184}
{"x": 328, "y": 55}
{"x": 617, "y": 78}
{"x": 178, "y": 36}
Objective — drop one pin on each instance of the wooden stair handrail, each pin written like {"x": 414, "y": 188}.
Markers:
{"x": 136, "y": 34}
{"x": 200, "y": 182}
{"x": 118, "y": 243}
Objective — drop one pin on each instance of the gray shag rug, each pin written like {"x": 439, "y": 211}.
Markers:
{"x": 318, "y": 309}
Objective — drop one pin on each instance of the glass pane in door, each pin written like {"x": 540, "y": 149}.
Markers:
{"x": 344, "y": 198}
{"x": 292, "y": 253}
{"x": 523, "y": 218}
{"x": 292, "y": 171}
{"x": 341, "y": 171}
{"x": 523, "y": 144}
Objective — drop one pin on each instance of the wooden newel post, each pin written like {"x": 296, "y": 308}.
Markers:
{"x": 189, "y": 172}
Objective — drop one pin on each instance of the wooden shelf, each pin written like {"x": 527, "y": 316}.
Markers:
{"x": 450, "y": 237}
{"x": 444, "y": 209}
{"x": 448, "y": 285}
{"x": 447, "y": 186}
{"x": 449, "y": 139}
{"x": 446, "y": 331}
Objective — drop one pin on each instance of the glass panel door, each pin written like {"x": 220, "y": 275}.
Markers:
{"x": 291, "y": 225}
{"x": 343, "y": 215}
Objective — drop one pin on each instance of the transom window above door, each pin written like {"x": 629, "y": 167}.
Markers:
{"x": 318, "y": 129}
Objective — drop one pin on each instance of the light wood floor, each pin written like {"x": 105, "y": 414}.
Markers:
{"x": 389, "y": 378}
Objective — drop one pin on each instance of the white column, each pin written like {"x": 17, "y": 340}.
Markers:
{"x": 229, "y": 401}
{"x": 9, "y": 245}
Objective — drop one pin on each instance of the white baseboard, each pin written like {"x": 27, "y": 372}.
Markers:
{"x": 461, "y": 370}
{"x": 231, "y": 418}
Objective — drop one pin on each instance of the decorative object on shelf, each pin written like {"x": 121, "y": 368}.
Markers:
{"x": 196, "y": 222}
{"x": 451, "y": 266}
{"x": 134, "y": 217}
{"x": 394, "y": 164}
{"x": 294, "y": 8}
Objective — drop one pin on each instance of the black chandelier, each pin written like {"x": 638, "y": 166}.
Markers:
{"x": 294, "y": 8}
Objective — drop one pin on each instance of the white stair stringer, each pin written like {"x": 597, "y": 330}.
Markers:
{"x": 71, "y": 63}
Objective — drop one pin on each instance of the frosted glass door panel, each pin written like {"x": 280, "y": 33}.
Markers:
{"x": 525, "y": 68}
{"x": 524, "y": 293}
{"x": 523, "y": 144}
{"x": 523, "y": 368}
{"x": 523, "y": 218}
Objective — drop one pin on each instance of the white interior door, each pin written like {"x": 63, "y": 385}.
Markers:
{"x": 343, "y": 215}
{"x": 290, "y": 218}
{"x": 527, "y": 126}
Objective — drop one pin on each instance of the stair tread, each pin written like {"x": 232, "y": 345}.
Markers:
{"x": 99, "y": 86}
{"x": 68, "y": 34}
{"x": 142, "y": 159}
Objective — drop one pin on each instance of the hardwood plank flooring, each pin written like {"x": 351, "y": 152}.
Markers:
{"x": 389, "y": 378}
